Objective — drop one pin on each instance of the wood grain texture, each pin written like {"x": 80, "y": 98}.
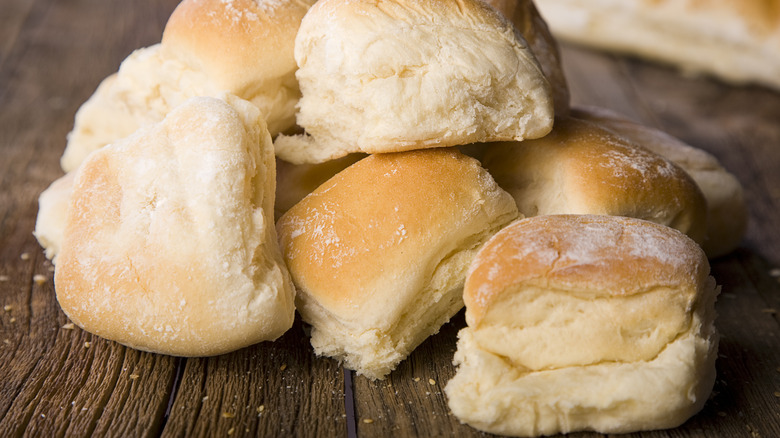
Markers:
{"x": 57, "y": 380}
{"x": 271, "y": 389}
{"x": 411, "y": 400}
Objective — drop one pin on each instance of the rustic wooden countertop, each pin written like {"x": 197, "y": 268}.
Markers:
{"x": 56, "y": 381}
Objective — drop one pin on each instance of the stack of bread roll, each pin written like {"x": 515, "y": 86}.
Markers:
{"x": 410, "y": 136}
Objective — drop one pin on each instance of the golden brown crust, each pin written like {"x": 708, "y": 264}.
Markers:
{"x": 727, "y": 214}
{"x": 586, "y": 255}
{"x": 295, "y": 181}
{"x": 387, "y": 213}
{"x": 238, "y": 42}
{"x": 582, "y": 168}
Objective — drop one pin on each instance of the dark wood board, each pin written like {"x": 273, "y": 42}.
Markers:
{"x": 56, "y": 380}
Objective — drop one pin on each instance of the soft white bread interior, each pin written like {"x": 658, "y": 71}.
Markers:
{"x": 209, "y": 47}
{"x": 599, "y": 323}
{"x": 169, "y": 243}
{"x": 583, "y": 168}
{"x": 737, "y": 41}
{"x": 727, "y": 213}
{"x": 379, "y": 252}
{"x": 525, "y": 16}
{"x": 396, "y": 75}
{"x": 52, "y": 213}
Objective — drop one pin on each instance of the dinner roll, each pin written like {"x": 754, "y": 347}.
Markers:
{"x": 169, "y": 244}
{"x": 582, "y": 168}
{"x": 52, "y": 212}
{"x": 599, "y": 323}
{"x": 379, "y": 252}
{"x": 736, "y": 41}
{"x": 396, "y": 75}
{"x": 209, "y": 47}
{"x": 524, "y": 15}
{"x": 727, "y": 214}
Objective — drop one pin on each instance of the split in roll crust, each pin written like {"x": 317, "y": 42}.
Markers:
{"x": 379, "y": 252}
{"x": 394, "y": 75}
{"x": 169, "y": 243}
{"x": 599, "y": 323}
{"x": 727, "y": 214}
{"x": 583, "y": 168}
{"x": 209, "y": 47}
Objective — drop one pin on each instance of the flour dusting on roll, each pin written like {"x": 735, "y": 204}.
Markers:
{"x": 169, "y": 243}
{"x": 727, "y": 214}
{"x": 576, "y": 323}
{"x": 396, "y": 75}
{"x": 52, "y": 213}
{"x": 583, "y": 168}
{"x": 379, "y": 252}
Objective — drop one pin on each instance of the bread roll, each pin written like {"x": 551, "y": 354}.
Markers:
{"x": 736, "y": 41}
{"x": 575, "y": 323}
{"x": 209, "y": 47}
{"x": 400, "y": 75}
{"x": 379, "y": 252}
{"x": 582, "y": 168}
{"x": 727, "y": 214}
{"x": 52, "y": 213}
{"x": 169, "y": 244}
{"x": 524, "y": 15}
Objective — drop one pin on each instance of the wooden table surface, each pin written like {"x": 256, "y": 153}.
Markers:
{"x": 61, "y": 381}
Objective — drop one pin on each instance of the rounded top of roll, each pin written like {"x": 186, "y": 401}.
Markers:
{"x": 347, "y": 241}
{"x": 236, "y": 42}
{"x": 583, "y": 168}
{"x": 395, "y": 75}
{"x": 589, "y": 256}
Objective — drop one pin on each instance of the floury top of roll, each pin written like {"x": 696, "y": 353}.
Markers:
{"x": 396, "y": 75}
{"x": 169, "y": 244}
{"x": 581, "y": 322}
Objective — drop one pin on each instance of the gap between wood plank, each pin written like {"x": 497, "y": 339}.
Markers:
{"x": 181, "y": 363}
{"x": 349, "y": 404}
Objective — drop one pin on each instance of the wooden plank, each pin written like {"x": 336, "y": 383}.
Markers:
{"x": 598, "y": 79}
{"x": 271, "y": 389}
